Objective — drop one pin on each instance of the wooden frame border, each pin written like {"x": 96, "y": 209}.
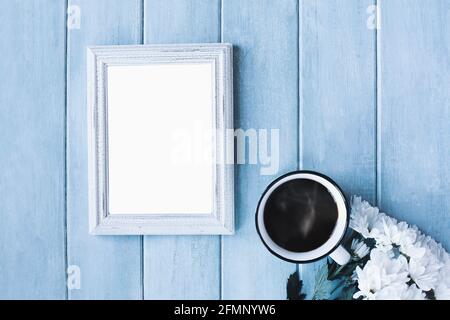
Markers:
{"x": 221, "y": 220}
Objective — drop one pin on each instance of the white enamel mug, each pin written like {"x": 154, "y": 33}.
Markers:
{"x": 330, "y": 247}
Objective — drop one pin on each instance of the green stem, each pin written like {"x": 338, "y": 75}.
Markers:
{"x": 336, "y": 272}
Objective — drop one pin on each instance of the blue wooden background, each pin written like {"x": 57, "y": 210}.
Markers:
{"x": 369, "y": 107}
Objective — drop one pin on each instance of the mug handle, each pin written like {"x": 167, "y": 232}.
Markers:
{"x": 340, "y": 255}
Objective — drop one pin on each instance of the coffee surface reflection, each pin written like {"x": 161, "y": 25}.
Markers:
{"x": 300, "y": 215}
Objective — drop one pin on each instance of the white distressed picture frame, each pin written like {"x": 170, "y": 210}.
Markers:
{"x": 221, "y": 219}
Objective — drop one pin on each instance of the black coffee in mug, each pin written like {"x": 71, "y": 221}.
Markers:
{"x": 300, "y": 215}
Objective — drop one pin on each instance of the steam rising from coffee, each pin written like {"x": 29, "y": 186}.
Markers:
{"x": 300, "y": 215}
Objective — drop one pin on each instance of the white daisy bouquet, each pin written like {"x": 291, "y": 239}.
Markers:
{"x": 390, "y": 260}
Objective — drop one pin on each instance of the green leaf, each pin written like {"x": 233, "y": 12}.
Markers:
{"x": 323, "y": 287}
{"x": 294, "y": 287}
{"x": 347, "y": 293}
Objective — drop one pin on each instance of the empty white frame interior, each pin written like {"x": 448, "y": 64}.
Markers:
{"x": 157, "y": 122}
{"x": 153, "y": 143}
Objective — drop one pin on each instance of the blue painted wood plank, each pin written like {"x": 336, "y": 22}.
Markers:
{"x": 110, "y": 266}
{"x": 181, "y": 21}
{"x": 182, "y": 267}
{"x": 32, "y": 161}
{"x": 266, "y": 97}
{"x": 414, "y": 113}
{"x": 337, "y": 98}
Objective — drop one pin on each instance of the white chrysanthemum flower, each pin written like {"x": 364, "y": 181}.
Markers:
{"x": 395, "y": 291}
{"x": 369, "y": 281}
{"x": 381, "y": 276}
{"x": 413, "y": 251}
{"x": 413, "y": 293}
{"x": 394, "y": 270}
{"x": 359, "y": 248}
{"x": 398, "y": 230}
{"x": 407, "y": 241}
{"x": 385, "y": 233}
{"x": 434, "y": 248}
{"x": 398, "y": 291}
{"x": 363, "y": 217}
{"x": 424, "y": 271}
{"x": 442, "y": 290}
{"x": 402, "y": 254}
